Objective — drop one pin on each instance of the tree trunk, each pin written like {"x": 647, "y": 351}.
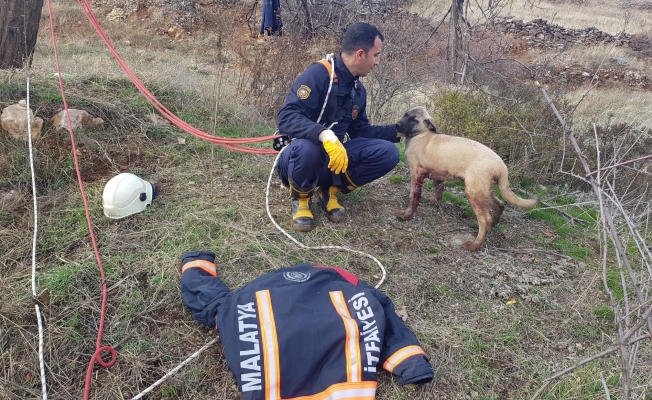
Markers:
{"x": 458, "y": 50}
{"x": 19, "y": 21}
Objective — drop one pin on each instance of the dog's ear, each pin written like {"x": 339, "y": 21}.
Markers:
{"x": 430, "y": 124}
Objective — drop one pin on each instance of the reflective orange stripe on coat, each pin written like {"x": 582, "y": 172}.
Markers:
{"x": 202, "y": 264}
{"x": 352, "y": 345}
{"x": 270, "y": 345}
{"x": 398, "y": 357}
{"x": 345, "y": 391}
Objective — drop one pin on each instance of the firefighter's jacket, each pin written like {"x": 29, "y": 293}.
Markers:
{"x": 303, "y": 332}
{"x": 347, "y": 106}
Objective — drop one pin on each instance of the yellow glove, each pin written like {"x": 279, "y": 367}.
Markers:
{"x": 339, "y": 161}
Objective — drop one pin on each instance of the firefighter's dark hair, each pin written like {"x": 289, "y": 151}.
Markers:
{"x": 358, "y": 36}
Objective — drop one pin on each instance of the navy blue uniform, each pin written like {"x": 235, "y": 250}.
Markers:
{"x": 371, "y": 150}
{"x": 303, "y": 331}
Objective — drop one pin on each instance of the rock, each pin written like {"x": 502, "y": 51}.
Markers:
{"x": 78, "y": 118}
{"x": 14, "y": 121}
{"x": 176, "y": 32}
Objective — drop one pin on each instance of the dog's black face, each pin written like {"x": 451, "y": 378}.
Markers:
{"x": 415, "y": 121}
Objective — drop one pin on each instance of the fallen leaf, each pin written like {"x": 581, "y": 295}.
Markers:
{"x": 511, "y": 302}
{"x": 181, "y": 140}
{"x": 548, "y": 232}
{"x": 402, "y": 313}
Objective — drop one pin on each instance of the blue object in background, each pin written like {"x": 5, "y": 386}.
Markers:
{"x": 272, "y": 22}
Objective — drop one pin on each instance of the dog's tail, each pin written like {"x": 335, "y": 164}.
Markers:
{"x": 503, "y": 184}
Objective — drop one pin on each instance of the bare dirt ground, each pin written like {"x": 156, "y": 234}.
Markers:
{"x": 495, "y": 323}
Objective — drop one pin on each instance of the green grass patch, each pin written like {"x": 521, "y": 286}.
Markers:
{"x": 604, "y": 312}
{"x": 401, "y": 152}
{"x": 569, "y": 234}
{"x": 572, "y": 250}
{"x": 614, "y": 284}
{"x": 584, "y": 383}
{"x": 396, "y": 179}
{"x": 467, "y": 211}
{"x": 454, "y": 184}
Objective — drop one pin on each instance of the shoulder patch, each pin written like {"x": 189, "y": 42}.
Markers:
{"x": 355, "y": 111}
{"x": 303, "y": 92}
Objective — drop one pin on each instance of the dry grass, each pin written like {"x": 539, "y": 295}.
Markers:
{"x": 609, "y": 103}
{"x": 457, "y": 302}
{"x": 612, "y": 107}
{"x": 606, "y": 15}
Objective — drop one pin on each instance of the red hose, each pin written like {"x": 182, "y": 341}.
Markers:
{"x": 229, "y": 143}
{"x": 98, "y": 345}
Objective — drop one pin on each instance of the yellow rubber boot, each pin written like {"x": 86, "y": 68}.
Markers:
{"x": 335, "y": 212}
{"x": 302, "y": 218}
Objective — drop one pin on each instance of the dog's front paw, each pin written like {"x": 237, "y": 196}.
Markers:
{"x": 471, "y": 246}
{"x": 406, "y": 215}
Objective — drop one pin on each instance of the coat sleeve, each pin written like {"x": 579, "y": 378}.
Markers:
{"x": 201, "y": 290}
{"x": 402, "y": 354}
{"x": 303, "y": 104}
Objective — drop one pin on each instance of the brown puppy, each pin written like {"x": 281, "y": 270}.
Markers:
{"x": 449, "y": 158}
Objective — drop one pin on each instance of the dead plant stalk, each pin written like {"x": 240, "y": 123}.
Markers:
{"x": 631, "y": 322}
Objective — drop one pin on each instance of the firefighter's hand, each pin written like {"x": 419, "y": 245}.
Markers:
{"x": 339, "y": 161}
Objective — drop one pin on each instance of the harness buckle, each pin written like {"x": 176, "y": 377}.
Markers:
{"x": 281, "y": 141}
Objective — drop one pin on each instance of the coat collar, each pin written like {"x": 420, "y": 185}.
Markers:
{"x": 343, "y": 74}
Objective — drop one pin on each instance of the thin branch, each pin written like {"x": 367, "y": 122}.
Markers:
{"x": 620, "y": 164}
{"x": 585, "y": 361}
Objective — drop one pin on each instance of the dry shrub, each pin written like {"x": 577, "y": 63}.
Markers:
{"x": 642, "y": 42}
{"x": 408, "y": 66}
{"x": 618, "y": 144}
{"x": 272, "y": 66}
{"x": 522, "y": 131}
{"x": 308, "y": 18}
{"x": 492, "y": 63}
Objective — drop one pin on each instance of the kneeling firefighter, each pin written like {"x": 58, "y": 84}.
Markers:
{"x": 303, "y": 332}
{"x": 326, "y": 103}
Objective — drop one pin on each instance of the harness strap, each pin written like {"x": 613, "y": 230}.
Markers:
{"x": 329, "y": 68}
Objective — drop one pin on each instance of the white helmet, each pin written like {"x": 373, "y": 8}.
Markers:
{"x": 126, "y": 194}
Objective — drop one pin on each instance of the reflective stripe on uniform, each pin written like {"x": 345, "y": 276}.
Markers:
{"x": 349, "y": 391}
{"x": 352, "y": 345}
{"x": 203, "y": 264}
{"x": 395, "y": 359}
{"x": 270, "y": 345}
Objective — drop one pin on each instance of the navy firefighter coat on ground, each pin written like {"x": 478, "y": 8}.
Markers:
{"x": 303, "y": 332}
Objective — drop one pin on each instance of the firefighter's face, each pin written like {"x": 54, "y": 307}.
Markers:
{"x": 368, "y": 60}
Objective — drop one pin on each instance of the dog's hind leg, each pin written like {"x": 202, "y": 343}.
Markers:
{"x": 479, "y": 201}
{"x": 415, "y": 196}
{"x": 439, "y": 191}
{"x": 497, "y": 207}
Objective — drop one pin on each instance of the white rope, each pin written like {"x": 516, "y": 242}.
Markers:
{"x": 38, "y": 310}
{"x": 271, "y": 173}
{"x": 329, "y": 57}
{"x": 178, "y": 367}
{"x": 175, "y": 369}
